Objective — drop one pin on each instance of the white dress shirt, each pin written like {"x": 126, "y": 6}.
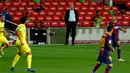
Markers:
{"x": 72, "y": 16}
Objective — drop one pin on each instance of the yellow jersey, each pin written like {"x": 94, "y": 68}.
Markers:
{"x": 1, "y": 28}
{"x": 22, "y": 29}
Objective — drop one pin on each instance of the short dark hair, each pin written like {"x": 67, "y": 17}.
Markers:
{"x": 23, "y": 19}
{"x": 109, "y": 28}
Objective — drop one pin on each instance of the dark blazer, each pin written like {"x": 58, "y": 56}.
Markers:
{"x": 67, "y": 15}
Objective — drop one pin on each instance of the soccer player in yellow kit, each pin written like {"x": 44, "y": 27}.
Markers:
{"x": 3, "y": 41}
{"x": 22, "y": 44}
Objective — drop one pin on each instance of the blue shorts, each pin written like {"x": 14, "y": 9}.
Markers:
{"x": 115, "y": 42}
{"x": 104, "y": 57}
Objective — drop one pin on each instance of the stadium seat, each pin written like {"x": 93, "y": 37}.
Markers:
{"x": 42, "y": 13}
{"x": 15, "y": 4}
{"x": 128, "y": 12}
{"x": 55, "y": 4}
{"x": 50, "y": 13}
{"x": 31, "y": 4}
{"x": 33, "y": 18}
{"x": 82, "y": 13}
{"x": 99, "y": 8}
{"x": 88, "y": 18}
{"x": 124, "y": 23}
{"x": 86, "y": 4}
{"x": 23, "y": 4}
{"x": 91, "y": 8}
{"x": 7, "y": 4}
{"x": 61, "y": 9}
{"x": 90, "y": 13}
{"x": 20, "y": 14}
{"x": 44, "y": 24}
{"x": 29, "y": 9}
{"x": 30, "y": 25}
{"x": 16, "y": 19}
{"x": 86, "y": 24}
{"x": 109, "y": 18}
{"x": 105, "y": 13}
{"x": 81, "y": 18}
{"x": 80, "y": 24}
{"x": 78, "y": 4}
{"x": 40, "y": 18}
{"x": 1, "y": 4}
{"x": 114, "y": 8}
{"x": 21, "y": 8}
{"x": 48, "y": 18}
{"x": 13, "y": 9}
{"x": 127, "y": 18}
{"x": 119, "y": 18}
{"x": 54, "y": 24}
{"x": 62, "y": 4}
{"x": 93, "y": 3}
{"x": 62, "y": 24}
{"x": 128, "y": 3}
{"x": 34, "y": 14}
{"x": 37, "y": 4}
{"x": 12, "y": 13}
{"x": 106, "y": 8}
{"x": 104, "y": 18}
{"x": 84, "y": 8}
{"x": 48, "y": 4}
{"x": 52, "y": 8}
{"x": 58, "y": 13}
{"x": 56, "y": 18}
{"x": 103, "y": 23}
{"x": 77, "y": 8}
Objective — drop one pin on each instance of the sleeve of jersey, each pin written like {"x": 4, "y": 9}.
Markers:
{"x": 19, "y": 28}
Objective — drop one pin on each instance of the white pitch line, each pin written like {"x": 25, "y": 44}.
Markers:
{"x": 83, "y": 50}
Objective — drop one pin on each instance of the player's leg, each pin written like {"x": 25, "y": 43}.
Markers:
{"x": 73, "y": 33}
{"x": 2, "y": 47}
{"x": 4, "y": 43}
{"x": 16, "y": 59}
{"x": 119, "y": 51}
{"x": 1, "y": 50}
{"x": 27, "y": 50}
{"x": 109, "y": 65}
{"x": 96, "y": 67}
{"x": 68, "y": 29}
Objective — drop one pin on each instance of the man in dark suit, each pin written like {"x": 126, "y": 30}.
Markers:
{"x": 71, "y": 20}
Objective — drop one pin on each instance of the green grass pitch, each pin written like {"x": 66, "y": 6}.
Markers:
{"x": 64, "y": 59}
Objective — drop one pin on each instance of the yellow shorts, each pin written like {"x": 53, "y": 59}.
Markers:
{"x": 25, "y": 48}
{"x": 3, "y": 40}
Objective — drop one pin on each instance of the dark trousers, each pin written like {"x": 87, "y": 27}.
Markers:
{"x": 70, "y": 28}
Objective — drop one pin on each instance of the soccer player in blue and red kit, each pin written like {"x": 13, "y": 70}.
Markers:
{"x": 106, "y": 47}
{"x": 115, "y": 36}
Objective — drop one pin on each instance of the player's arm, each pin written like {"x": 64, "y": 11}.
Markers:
{"x": 18, "y": 33}
{"x": 1, "y": 30}
{"x": 111, "y": 48}
{"x": 110, "y": 45}
{"x": 122, "y": 29}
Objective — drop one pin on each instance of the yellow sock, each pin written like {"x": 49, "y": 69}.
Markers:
{"x": 15, "y": 60}
{"x": 29, "y": 60}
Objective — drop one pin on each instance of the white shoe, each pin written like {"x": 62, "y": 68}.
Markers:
{"x": 121, "y": 60}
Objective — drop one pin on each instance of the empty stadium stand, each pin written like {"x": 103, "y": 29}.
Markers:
{"x": 55, "y": 10}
